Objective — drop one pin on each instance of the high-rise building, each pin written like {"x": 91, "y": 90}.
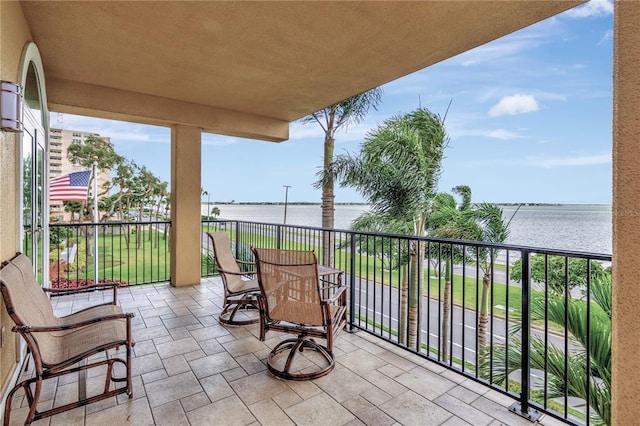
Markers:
{"x": 59, "y": 142}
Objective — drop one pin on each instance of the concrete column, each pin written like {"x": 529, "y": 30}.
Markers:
{"x": 185, "y": 205}
{"x": 626, "y": 215}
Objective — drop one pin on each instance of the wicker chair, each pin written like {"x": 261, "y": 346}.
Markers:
{"x": 292, "y": 301}
{"x": 62, "y": 345}
{"x": 240, "y": 287}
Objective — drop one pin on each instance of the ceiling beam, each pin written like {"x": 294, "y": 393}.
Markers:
{"x": 103, "y": 102}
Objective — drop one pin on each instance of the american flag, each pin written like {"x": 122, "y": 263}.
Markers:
{"x": 70, "y": 187}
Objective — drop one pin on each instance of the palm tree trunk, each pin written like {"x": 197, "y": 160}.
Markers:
{"x": 446, "y": 310}
{"x": 414, "y": 293}
{"x": 328, "y": 237}
{"x": 484, "y": 314}
{"x": 402, "y": 321}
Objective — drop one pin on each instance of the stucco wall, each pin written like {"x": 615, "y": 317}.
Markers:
{"x": 626, "y": 215}
{"x": 14, "y": 34}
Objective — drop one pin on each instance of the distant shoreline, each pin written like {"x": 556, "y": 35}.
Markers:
{"x": 313, "y": 203}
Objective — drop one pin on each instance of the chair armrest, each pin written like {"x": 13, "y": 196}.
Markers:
{"x": 88, "y": 289}
{"x": 340, "y": 289}
{"x": 102, "y": 286}
{"x": 44, "y": 329}
{"x": 224, "y": 271}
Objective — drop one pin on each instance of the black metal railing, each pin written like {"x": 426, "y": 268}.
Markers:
{"x": 518, "y": 319}
{"x": 129, "y": 252}
{"x": 531, "y": 323}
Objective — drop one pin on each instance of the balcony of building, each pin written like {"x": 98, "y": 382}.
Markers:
{"x": 190, "y": 369}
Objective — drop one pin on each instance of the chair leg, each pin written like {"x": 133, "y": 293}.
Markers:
{"x": 294, "y": 346}
{"x": 247, "y": 302}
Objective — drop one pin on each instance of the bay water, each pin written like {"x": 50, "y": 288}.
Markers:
{"x": 580, "y": 227}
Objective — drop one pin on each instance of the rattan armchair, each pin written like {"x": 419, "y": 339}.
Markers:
{"x": 293, "y": 301}
{"x": 63, "y": 345}
{"x": 240, "y": 286}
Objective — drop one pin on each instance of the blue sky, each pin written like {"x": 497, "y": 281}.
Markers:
{"x": 530, "y": 121}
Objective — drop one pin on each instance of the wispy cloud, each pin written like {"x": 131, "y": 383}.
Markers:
{"x": 587, "y": 160}
{"x": 514, "y": 104}
{"x": 606, "y": 37}
{"x": 591, "y": 9}
{"x": 501, "y": 134}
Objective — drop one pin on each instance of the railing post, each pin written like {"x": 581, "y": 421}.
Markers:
{"x": 278, "y": 236}
{"x": 521, "y": 407}
{"x": 352, "y": 282}
{"x": 237, "y": 239}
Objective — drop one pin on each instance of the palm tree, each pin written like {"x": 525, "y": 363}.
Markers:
{"x": 447, "y": 220}
{"x": 397, "y": 170}
{"x": 331, "y": 119}
{"x": 483, "y": 222}
{"x": 577, "y": 380}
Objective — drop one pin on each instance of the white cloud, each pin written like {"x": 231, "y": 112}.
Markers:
{"x": 502, "y": 134}
{"x": 593, "y": 8}
{"x": 587, "y": 160}
{"x": 606, "y": 37}
{"x": 515, "y": 104}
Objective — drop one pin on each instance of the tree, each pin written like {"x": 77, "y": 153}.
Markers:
{"x": 482, "y": 222}
{"x": 578, "y": 380}
{"x": 94, "y": 148}
{"x": 396, "y": 171}
{"x": 331, "y": 119}
{"x": 552, "y": 270}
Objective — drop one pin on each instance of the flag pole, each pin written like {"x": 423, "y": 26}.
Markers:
{"x": 95, "y": 221}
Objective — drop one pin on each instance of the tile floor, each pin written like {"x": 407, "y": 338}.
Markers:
{"x": 190, "y": 370}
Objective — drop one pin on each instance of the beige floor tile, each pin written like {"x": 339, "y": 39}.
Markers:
{"x": 499, "y": 412}
{"x": 196, "y": 401}
{"x": 268, "y": 413}
{"x": 177, "y": 347}
{"x": 169, "y": 414}
{"x": 463, "y": 410}
{"x": 360, "y": 361}
{"x": 384, "y": 382}
{"x": 135, "y": 411}
{"x": 287, "y": 398}
{"x": 172, "y": 388}
{"x": 412, "y": 409}
{"x": 243, "y": 346}
{"x": 216, "y": 387}
{"x": 342, "y": 384}
{"x": 175, "y": 365}
{"x": 367, "y": 412}
{"x": 319, "y": 410}
{"x": 213, "y": 364}
{"x": 425, "y": 382}
{"x": 229, "y": 412}
{"x": 258, "y": 387}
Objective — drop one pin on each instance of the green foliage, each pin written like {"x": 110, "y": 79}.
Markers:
{"x": 58, "y": 234}
{"x": 578, "y": 379}
{"x": 555, "y": 275}
{"x": 208, "y": 265}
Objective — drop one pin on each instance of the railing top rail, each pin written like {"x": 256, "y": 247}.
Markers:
{"x": 496, "y": 246}
{"x": 148, "y": 222}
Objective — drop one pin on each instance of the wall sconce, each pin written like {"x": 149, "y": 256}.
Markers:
{"x": 10, "y": 107}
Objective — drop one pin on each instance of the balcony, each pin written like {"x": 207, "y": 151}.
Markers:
{"x": 189, "y": 369}
{"x": 440, "y": 362}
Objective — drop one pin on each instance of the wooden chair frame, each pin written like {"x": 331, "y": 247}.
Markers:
{"x": 242, "y": 295}
{"x": 333, "y": 307}
{"x": 79, "y": 335}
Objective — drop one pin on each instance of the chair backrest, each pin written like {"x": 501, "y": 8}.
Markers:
{"x": 24, "y": 299}
{"x": 225, "y": 260}
{"x": 289, "y": 282}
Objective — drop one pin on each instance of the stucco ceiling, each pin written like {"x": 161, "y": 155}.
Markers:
{"x": 277, "y": 61}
